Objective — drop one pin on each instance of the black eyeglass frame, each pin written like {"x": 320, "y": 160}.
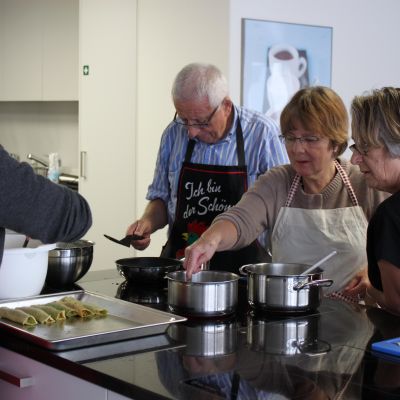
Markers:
{"x": 354, "y": 149}
{"x": 204, "y": 124}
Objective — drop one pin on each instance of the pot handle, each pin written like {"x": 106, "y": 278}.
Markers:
{"x": 243, "y": 270}
{"x": 307, "y": 284}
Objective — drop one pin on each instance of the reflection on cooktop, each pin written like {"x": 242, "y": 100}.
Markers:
{"x": 233, "y": 385}
{"x": 154, "y": 296}
{"x": 266, "y": 316}
{"x": 285, "y": 336}
{"x": 211, "y": 338}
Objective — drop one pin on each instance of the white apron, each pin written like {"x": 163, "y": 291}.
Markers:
{"x": 306, "y": 236}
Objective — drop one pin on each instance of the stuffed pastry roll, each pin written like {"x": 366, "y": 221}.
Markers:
{"x": 41, "y": 316}
{"x": 18, "y": 316}
{"x": 69, "y": 312}
{"x": 78, "y": 306}
{"x": 57, "y": 315}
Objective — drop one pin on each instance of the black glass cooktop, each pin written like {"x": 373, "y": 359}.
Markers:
{"x": 256, "y": 354}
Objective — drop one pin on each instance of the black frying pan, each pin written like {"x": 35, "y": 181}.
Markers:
{"x": 147, "y": 269}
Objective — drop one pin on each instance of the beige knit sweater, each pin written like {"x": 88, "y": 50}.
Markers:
{"x": 258, "y": 209}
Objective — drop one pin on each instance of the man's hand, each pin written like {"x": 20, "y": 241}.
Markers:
{"x": 141, "y": 227}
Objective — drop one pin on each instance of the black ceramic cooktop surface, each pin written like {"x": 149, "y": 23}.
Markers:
{"x": 254, "y": 354}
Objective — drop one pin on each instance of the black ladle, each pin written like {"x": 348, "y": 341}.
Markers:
{"x": 126, "y": 241}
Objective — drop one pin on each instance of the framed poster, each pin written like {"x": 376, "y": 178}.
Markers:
{"x": 278, "y": 59}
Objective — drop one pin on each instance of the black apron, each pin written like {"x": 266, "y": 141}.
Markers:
{"x": 204, "y": 191}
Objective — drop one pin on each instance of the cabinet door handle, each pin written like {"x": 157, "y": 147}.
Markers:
{"x": 15, "y": 380}
{"x": 82, "y": 171}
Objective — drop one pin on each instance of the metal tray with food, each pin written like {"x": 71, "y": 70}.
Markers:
{"x": 123, "y": 321}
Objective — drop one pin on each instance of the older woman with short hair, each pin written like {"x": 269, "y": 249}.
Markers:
{"x": 376, "y": 150}
{"x": 317, "y": 203}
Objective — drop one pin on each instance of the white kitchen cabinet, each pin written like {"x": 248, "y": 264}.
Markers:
{"x": 60, "y": 50}
{"x": 107, "y": 121}
{"x": 20, "y": 44}
{"x": 32, "y": 380}
{"x": 42, "y": 381}
{"x": 38, "y": 50}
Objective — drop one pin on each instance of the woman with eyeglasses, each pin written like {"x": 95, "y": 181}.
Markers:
{"x": 317, "y": 203}
{"x": 376, "y": 151}
{"x": 209, "y": 154}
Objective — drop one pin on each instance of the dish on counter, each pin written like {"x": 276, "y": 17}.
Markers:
{"x": 124, "y": 321}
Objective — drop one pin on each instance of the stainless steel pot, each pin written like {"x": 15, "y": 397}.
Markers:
{"x": 147, "y": 269}
{"x": 286, "y": 337}
{"x": 210, "y": 339}
{"x": 280, "y": 287}
{"x": 207, "y": 294}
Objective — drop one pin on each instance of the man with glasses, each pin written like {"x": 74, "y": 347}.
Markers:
{"x": 209, "y": 155}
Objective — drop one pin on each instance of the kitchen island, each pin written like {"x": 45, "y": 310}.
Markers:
{"x": 324, "y": 354}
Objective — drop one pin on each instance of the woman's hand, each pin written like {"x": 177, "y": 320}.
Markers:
{"x": 357, "y": 287}
{"x": 198, "y": 253}
{"x": 221, "y": 235}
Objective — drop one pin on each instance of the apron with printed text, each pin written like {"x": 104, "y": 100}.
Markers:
{"x": 307, "y": 235}
{"x": 204, "y": 191}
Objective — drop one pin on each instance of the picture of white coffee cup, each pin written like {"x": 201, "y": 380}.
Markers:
{"x": 288, "y": 56}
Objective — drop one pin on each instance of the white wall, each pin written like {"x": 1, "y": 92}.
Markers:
{"x": 170, "y": 35}
{"x": 365, "y": 38}
{"x": 364, "y": 44}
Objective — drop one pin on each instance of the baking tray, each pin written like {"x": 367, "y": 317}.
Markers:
{"x": 124, "y": 321}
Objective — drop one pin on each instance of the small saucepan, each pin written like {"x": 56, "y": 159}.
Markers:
{"x": 207, "y": 294}
{"x": 281, "y": 287}
{"x": 147, "y": 269}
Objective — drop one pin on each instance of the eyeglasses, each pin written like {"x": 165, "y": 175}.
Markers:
{"x": 354, "y": 149}
{"x": 310, "y": 141}
{"x": 200, "y": 124}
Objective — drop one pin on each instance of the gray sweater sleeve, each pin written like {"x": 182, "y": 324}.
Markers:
{"x": 34, "y": 206}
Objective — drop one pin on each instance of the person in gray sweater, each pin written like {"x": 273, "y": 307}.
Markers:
{"x": 38, "y": 208}
{"x": 318, "y": 203}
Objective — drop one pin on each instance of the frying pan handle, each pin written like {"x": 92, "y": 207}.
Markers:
{"x": 319, "y": 282}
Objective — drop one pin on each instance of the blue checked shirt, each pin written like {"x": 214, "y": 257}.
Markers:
{"x": 262, "y": 146}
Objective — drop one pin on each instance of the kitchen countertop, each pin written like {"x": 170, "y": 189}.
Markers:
{"x": 323, "y": 354}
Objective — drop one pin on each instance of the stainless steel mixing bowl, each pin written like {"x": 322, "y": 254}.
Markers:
{"x": 69, "y": 262}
